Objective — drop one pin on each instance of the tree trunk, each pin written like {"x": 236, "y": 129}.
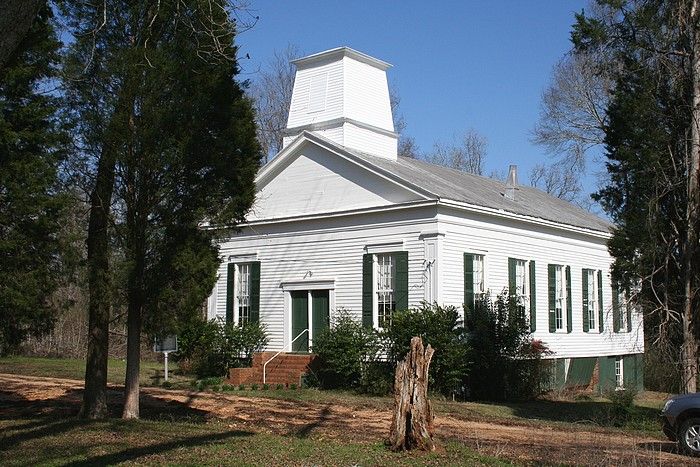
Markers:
{"x": 690, "y": 343}
{"x": 412, "y": 423}
{"x": 133, "y": 361}
{"x": 95, "y": 397}
{"x": 15, "y": 21}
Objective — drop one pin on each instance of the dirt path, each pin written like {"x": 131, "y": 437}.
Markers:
{"x": 513, "y": 439}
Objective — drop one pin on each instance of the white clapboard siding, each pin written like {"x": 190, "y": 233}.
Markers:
{"x": 326, "y": 249}
{"x": 367, "y": 94}
{"x": 317, "y": 181}
{"x": 498, "y": 240}
{"x": 301, "y": 113}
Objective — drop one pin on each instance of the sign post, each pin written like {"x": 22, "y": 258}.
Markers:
{"x": 165, "y": 345}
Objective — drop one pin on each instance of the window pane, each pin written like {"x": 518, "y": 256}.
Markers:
{"x": 243, "y": 293}
{"x": 559, "y": 297}
{"x": 386, "y": 279}
{"x": 479, "y": 285}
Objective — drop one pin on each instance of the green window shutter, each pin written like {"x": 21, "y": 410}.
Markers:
{"x": 615, "y": 309}
{"x": 569, "y": 324}
{"x": 584, "y": 289}
{"x": 230, "y": 285}
{"x": 468, "y": 282}
{"x": 255, "y": 291}
{"x": 367, "y": 290}
{"x": 600, "y": 301}
{"x": 533, "y": 298}
{"x": 401, "y": 280}
{"x": 511, "y": 278}
{"x": 552, "y": 289}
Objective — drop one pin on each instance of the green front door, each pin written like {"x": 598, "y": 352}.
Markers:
{"x": 300, "y": 320}
{"x": 320, "y": 317}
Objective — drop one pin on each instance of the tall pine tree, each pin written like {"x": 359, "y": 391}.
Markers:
{"x": 653, "y": 146}
{"x": 31, "y": 209}
{"x": 178, "y": 149}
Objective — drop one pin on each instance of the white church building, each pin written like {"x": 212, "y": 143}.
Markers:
{"x": 341, "y": 222}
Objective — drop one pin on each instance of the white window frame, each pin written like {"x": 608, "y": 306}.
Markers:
{"x": 482, "y": 291}
{"x": 522, "y": 296}
{"x": 560, "y": 314}
{"x": 619, "y": 373}
{"x": 377, "y": 275}
{"x": 238, "y": 288}
{"x": 623, "y": 304}
{"x": 593, "y": 294}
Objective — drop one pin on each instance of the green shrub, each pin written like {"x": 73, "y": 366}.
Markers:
{"x": 265, "y": 387}
{"x": 227, "y": 388}
{"x": 241, "y": 387}
{"x": 507, "y": 363}
{"x": 440, "y": 327}
{"x": 167, "y": 384}
{"x": 279, "y": 387}
{"x": 622, "y": 405}
{"x": 211, "y": 349}
{"x": 293, "y": 387}
{"x": 254, "y": 387}
{"x": 344, "y": 352}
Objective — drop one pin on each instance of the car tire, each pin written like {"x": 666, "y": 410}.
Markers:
{"x": 689, "y": 437}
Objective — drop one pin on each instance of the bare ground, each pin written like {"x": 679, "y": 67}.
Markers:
{"x": 517, "y": 440}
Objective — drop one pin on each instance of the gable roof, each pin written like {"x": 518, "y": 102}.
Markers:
{"x": 450, "y": 184}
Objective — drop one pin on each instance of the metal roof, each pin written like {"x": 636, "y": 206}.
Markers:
{"x": 452, "y": 184}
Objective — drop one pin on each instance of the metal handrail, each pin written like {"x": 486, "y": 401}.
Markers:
{"x": 277, "y": 354}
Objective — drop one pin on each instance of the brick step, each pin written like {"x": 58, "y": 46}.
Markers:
{"x": 286, "y": 369}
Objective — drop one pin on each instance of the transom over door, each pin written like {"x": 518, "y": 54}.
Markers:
{"x": 317, "y": 314}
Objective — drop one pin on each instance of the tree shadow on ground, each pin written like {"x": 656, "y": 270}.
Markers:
{"x": 56, "y": 415}
{"x": 137, "y": 452}
{"x": 323, "y": 417}
{"x": 598, "y": 413}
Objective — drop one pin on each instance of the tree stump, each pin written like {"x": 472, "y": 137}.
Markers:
{"x": 412, "y": 423}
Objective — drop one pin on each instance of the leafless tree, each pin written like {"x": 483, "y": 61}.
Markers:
{"x": 572, "y": 115}
{"x": 408, "y": 147}
{"x": 271, "y": 92}
{"x": 468, "y": 153}
{"x": 558, "y": 179}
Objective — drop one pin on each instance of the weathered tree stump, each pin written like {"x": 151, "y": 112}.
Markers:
{"x": 412, "y": 423}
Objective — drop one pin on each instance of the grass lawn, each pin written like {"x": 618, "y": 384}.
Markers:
{"x": 61, "y": 441}
{"x": 73, "y": 368}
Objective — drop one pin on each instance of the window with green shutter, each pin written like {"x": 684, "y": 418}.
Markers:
{"x": 559, "y": 288}
{"x": 533, "y": 298}
{"x": 600, "y": 301}
{"x": 243, "y": 292}
{"x": 590, "y": 299}
{"x": 384, "y": 286}
{"x": 468, "y": 281}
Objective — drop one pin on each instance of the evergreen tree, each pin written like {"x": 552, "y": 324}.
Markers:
{"x": 652, "y": 141}
{"x": 179, "y": 150}
{"x": 30, "y": 207}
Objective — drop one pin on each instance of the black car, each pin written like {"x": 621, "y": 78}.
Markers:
{"x": 681, "y": 417}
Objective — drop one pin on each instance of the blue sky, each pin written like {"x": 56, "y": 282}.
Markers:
{"x": 457, "y": 65}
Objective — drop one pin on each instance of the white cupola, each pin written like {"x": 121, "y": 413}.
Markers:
{"x": 343, "y": 95}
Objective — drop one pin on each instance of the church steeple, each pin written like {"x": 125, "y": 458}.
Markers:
{"x": 343, "y": 95}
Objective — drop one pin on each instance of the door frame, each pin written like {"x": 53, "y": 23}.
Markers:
{"x": 308, "y": 285}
